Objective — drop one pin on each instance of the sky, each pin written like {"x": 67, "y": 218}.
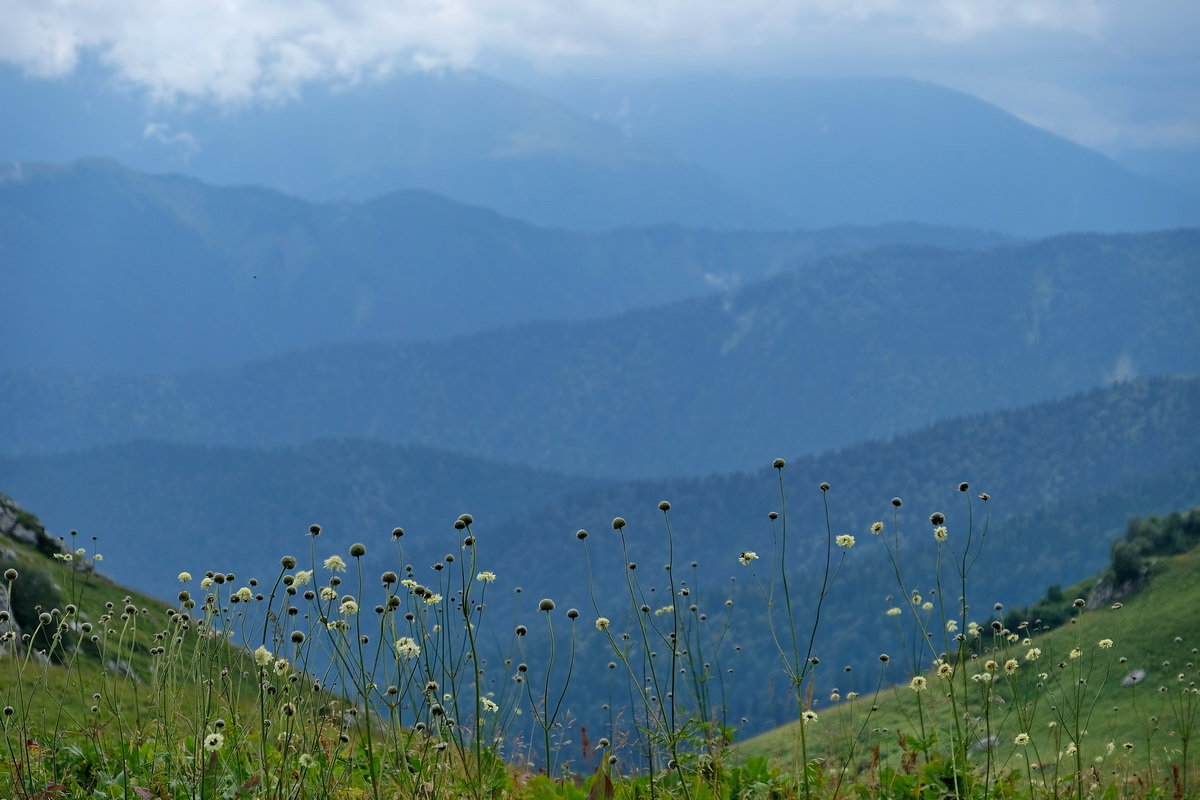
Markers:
{"x": 1111, "y": 74}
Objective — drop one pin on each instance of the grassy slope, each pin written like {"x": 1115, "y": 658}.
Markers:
{"x": 53, "y": 696}
{"x": 1144, "y": 630}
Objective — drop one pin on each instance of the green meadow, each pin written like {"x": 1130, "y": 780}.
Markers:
{"x": 324, "y": 681}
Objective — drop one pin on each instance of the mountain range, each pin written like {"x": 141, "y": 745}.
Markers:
{"x": 708, "y": 151}
{"x": 845, "y": 349}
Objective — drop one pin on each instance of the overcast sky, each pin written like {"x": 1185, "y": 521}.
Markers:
{"x": 1108, "y": 73}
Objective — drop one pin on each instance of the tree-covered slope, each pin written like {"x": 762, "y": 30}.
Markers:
{"x": 849, "y": 348}
{"x": 111, "y": 269}
{"x": 1063, "y": 477}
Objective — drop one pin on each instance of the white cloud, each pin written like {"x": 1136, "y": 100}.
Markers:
{"x": 238, "y": 50}
{"x": 1105, "y": 57}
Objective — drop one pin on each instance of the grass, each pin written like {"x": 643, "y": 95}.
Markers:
{"x": 324, "y": 682}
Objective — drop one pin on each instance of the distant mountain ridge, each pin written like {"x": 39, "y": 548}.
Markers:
{"x": 801, "y": 362}
{"x": 146, "y": 273}
{"x": 706, "y": 151}
{"x": 1063, "y": 476}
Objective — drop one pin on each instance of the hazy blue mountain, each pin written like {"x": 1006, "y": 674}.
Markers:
{"x": 1177, "y": 167}
{"x": 872, "y": 149}
{"x": 463, "y": 134}
{"x": 113, "y": 269}
{"x": 1063, "y": 479}
{"x": 716, "y": 152}
{"x": 848, "y": 348}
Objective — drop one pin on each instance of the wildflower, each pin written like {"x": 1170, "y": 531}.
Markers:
{"x": 1011, "y": 666}
{"x": 486, "y": 576}
{"x": 244, "y": 594}
{"x": 918, "y": 684}
{"x": 302, "y": 577}
{"x": 602, "y": 624}
{"x": 893, "y": 612}
{"x": 945, "y": 671}
{"x": 1033, "y": 653}
{"x": 1021, "y": 739}
{"x": 1071, "y": 750}
{"x": 851, "y": 695}
{"x": 282, "y": 667}
{"x": 991, "y": 666}
{"x": 1075, "y": 653}
{"x": 307, "y": 761}
{"x": 876, "y": 527}
{"x": 184, "y": 577}
{"x": 658, "y": 612}
{"x": 349, "y": 606}
{"x": 262, "y": 656}
{"x": 64, "y": 557}
{"x": 433, "y": 599}
{"x": 808, "y": 716}
{"x": 328, "y": 593}
{"x": 489, "y": 704}
{"x": 927, "y": 606}
{"x": 747, "y": 557}
{"x": 845, "y": 540}
{"x": 951, "y": 626}
{"x": 214, "y": 742}
{"x": 407, "y": 648}
{"x": 940, "y": 533}
{"x": 206, "y": 582}
{"x": 97, "y": 557}
{"x": 1106, "y": 644}
{"x": 335, "y": 564}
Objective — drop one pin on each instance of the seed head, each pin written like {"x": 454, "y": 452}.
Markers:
{"x": 779, "y": 463}
{"x": 358, "y": 549}
{"x": 937, "y": 518}
{"x": 897, "y": 502}
{"x": 663, "y": 505}
{"x": 618, "y": 523}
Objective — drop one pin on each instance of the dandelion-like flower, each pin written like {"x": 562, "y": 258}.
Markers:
{"x": 1032, "y": 653}
{"x": 263, "y": 657}
{"x": 808, "y": 716}
{"x": 486, "y": 576}
{"x": 1106, "y": 644}
{"x": 328, "y": 593}
{"x": 945, "y": 671}
{"x": 918, "y": 683}
{"x": 1075, "y": 653}
{"x": 433, "y": 599}
{"x": 206, "y": 582}
{"x": 244, "y": 594}
{"x": 335, "y": 563}
{"x": 307, "y": 761}
{"x": 602, "y": 624}
{"x": 951, "y": 625}
{"x": 893, "y": 612}
{"x": 301, "y": 578}
{"x": 940, "y": 533}
{"x": 488, "y": 704}
{"x": 184, "y": 577}
{"x": 349, "y": 606}
{"x": 407, "y": 648}
{"x": 747, "y": 557}
{"x": 214, "y": 742}
{"x": 844, "y": 540}
{"x": 1021, "y": 739}
{"x": 877, "y": 527}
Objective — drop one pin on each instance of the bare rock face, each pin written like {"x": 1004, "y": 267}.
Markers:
{"x": 16, "y": 524}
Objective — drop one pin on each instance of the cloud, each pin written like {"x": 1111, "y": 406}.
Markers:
{"x": 242, "y": 50}
{"x": 1128, "y": 70}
